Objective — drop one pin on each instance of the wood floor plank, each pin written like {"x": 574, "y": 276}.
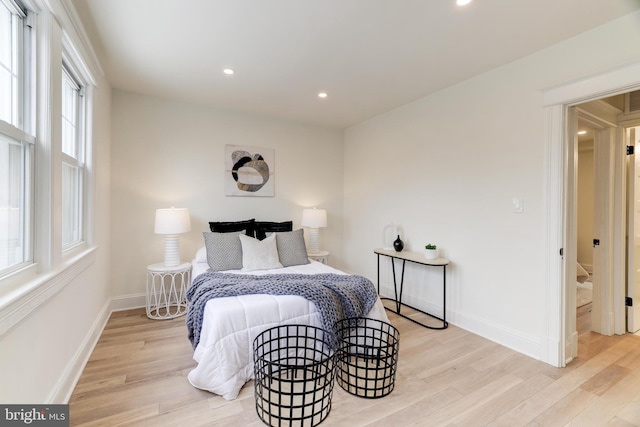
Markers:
{"x": 486, "y": 414}
{"x": 133, "y": 416}
{"x": 605, "y": 379}
{"x": 472, "y": 401}
{"x": 610, "y": 403}
{"x": 565, "y": 409}
{"x": 528, "y": 410}
{"x": 89, "y": 385}
{"x": 415, "y": 414}
{"x": 631, "y": 358}
{"x": 196, "y": 414}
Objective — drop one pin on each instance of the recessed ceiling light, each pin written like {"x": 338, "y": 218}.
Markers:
{"x": 322, "y": 95}
{"x": 462, "y": 2}
{"x": 582, "y": 132}
{"x": 228, "y": 71}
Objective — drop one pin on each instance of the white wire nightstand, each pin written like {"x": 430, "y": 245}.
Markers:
{"x": 166, "y": 287}
{"x": 321, "y": 256}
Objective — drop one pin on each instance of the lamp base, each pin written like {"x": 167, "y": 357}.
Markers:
{"x": 314, "y": 244}
{"x": 171, "y": 250}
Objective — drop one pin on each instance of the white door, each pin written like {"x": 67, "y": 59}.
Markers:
{"x": 604, "y": 244}
{"x": 633, "y": 256}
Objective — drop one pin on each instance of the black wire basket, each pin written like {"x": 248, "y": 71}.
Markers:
{"x": 294, "y": 369}
{"x": 367, "y": 357}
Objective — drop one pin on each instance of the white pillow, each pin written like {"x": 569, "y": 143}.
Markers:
{"x": 201, "y": 255}
{"x": 259, "y": 254}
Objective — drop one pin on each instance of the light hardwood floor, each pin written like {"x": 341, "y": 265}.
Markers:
{"x": 137, "y": 376}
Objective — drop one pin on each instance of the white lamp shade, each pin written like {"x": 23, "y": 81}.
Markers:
{"x": 314, "y": 218}
{"x": 172, "y": 221}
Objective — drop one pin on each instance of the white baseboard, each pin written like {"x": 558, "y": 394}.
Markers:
{"x": 552, "y": 352}
{"x": 71, "y": 374}
{"x": 509, "y": 338}
{"x": 571, "y": 346}
{"x": 515, "y": 340}
{"x": 128, "y": 302}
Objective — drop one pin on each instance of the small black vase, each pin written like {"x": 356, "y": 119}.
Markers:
{"x": 398, "y": 244}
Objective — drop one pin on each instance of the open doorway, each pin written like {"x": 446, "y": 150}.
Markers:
{"x": 560, "y": 344}
{"x": 607, "y": 217}
{"x": 584, "y": 244}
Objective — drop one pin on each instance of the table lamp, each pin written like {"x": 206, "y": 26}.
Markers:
{"x": 171, "y": 223}
{"x": 314, "y": 219}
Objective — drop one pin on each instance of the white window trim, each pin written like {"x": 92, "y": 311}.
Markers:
{"x": 70, "y": 67}
{"x": 18, "y": 303}
{"x": 21, "y": 129}
{"x": 15, "y": 133}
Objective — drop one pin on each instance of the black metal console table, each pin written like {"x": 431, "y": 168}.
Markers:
{"x": 418, "y": 259}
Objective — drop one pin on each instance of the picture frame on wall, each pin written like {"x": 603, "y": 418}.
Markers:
{"x": 249, "y": 171}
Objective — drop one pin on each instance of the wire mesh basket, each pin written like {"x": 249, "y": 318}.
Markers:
{"x": 367, "y": 357}
{"x": 294, "y": 369}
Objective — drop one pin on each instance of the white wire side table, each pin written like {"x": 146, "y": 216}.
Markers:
{"x": 166, "y": 287}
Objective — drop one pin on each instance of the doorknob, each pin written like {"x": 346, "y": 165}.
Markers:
{"x": 596, "y": 242}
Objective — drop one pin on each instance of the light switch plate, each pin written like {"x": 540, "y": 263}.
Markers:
{"x": 518, "y": 205}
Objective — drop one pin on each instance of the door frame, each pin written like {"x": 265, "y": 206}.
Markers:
{"x": 605, "y": 163}
{"x": 560, "y": 346}
{"x": 633, "y": 224}
{"x": 609, "y": 216}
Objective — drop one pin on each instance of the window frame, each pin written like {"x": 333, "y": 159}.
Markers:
{"x": 20, "y": 129}
{"x": 79, "y": 161}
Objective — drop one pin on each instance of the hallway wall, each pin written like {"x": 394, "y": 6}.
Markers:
{"x": 585, "y": 204}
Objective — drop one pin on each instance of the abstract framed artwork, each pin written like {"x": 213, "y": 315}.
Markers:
{"x": 249, "y": 171}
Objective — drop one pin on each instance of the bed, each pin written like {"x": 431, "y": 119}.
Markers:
{"x": 229, "y": 324}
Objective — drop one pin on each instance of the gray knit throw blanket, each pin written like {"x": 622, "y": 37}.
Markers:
{"x": 336, "y": 296}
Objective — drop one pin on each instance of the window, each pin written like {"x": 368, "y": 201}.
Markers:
{"x": 16, "y": 138}
{"x": 14, "y": 196}
{"x": 72, "y": 159}
{"x": 47, "y": 91}
{"x": 9, "y": 66}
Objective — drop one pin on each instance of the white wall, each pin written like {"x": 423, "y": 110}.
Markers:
{"x": 166, "y": 153}
{"x": 446, "y": 167}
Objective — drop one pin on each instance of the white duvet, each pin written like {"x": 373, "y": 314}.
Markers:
{"x": 225, "y": 351}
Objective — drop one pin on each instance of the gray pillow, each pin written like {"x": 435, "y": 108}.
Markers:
{"x": 291, "y": 248}
{"x": 224, "y": 250}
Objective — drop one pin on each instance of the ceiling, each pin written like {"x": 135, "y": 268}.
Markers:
{"x": 370, "y": 56}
